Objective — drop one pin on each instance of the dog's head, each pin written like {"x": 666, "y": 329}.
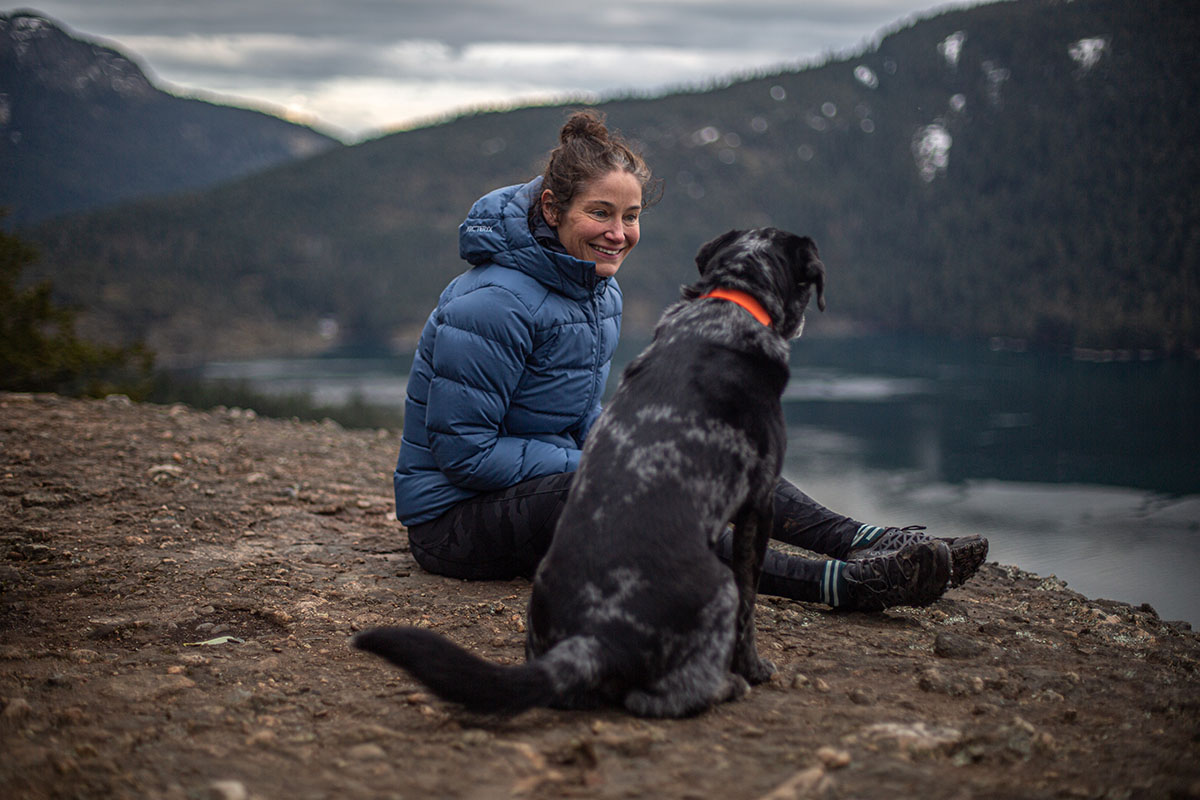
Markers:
{"x": 779, "y": 269}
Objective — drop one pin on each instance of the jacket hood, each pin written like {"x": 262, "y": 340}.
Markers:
{"x": 497, "y": 231}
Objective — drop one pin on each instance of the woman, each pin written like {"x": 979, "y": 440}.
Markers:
{"x": 508, "y": 376}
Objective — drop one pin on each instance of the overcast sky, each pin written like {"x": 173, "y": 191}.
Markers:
{"x": 358, "y": 67}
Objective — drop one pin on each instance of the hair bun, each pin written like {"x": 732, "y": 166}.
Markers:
{"x": 584, "y": 125}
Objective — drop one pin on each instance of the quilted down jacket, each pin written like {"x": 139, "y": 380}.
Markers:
{"x": 510, "y": 367}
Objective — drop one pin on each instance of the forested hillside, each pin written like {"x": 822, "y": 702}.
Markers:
{"x": 83, "y": 127}
{"x": 1022, "y": 169}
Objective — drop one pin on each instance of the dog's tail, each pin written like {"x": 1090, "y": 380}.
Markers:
{"x": 459, "y": 676}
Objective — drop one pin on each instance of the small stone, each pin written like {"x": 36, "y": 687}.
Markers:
{"x": 44, "y": 499}
{"x": 17, "y": 709}
{"x": 800, "y": 681}
{"x": 951, "y": 645}
{"x": 804, "y": 785}
{"x": 932, "y": 680}
{"x": 833, "y": 758}
{"x": 367, "y": 752}
{"x": 475, "y": 737}
{"x": 228, "y": 790}
{"x": 820, "y": 685}
{"x": 260, "y": 738}
{"x": 139, "y": 688}
{"x": 161, "y": 472}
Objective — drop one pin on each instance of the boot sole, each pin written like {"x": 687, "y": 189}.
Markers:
{"x": 967, "y": 554}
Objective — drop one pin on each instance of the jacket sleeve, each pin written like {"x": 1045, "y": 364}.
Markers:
{"x": 483, "y": 342}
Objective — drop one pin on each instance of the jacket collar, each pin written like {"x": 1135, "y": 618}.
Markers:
{"x": 497, "y": 230}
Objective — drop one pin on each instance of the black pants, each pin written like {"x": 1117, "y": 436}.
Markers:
{"x": 504, "y": 534}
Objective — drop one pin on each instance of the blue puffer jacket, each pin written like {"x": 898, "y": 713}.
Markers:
{"x": 510, "y": 367}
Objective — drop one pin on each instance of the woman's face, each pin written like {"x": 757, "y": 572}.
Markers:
{"x": 601, "y": 223}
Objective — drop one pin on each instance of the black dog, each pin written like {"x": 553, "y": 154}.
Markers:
{"x": 631, "y": 605}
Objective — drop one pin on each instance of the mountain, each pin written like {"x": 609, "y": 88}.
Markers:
{"x": 1020, "y": 169}
{"x": 81, "y": 127}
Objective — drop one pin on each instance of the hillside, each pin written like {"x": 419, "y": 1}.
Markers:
{"x": 1022, "y": 169}
{"x": 83, "y": 127}
{"x": 137, "y": 540}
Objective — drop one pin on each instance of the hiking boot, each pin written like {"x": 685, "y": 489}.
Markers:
{"x": 967, "y": 553}
{"x": 914, "y": 575}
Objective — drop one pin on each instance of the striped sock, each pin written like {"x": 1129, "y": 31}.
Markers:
{"x": 866, "y": 534}
{"x": 833, "y": 583}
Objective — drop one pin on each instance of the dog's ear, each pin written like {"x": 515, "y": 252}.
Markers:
{"x": 707, "y": 250}
{"x": 810, "y": 270}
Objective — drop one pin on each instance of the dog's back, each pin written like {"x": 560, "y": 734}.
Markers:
{"x": 694, "y": 424}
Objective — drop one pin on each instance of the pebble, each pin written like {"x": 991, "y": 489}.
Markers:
{"x": 228, "y": 790}
{"x": 833, "y": 758}
{"x": 804, "y": 785}
{"x": 260, "y": 738}
{"x": 951, "y": 645}
{"x": 18, "y": 709}
{"x": 138, "y": 688}
{"x": 366, "y": 752}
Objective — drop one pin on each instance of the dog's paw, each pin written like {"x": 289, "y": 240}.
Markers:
{"x": 756, "y": 671}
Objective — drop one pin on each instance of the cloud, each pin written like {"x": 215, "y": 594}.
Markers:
{"x": 369, "y": 65}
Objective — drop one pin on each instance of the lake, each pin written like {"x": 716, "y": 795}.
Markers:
{"x": 1083, "y": 466}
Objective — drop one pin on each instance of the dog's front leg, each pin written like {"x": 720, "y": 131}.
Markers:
{"x": 751, "y": 532}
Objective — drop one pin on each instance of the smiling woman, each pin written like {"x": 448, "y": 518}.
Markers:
{"x": 511, "y": 365}
{"x": 593, "y": 193}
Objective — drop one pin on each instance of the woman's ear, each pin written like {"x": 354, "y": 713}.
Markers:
{"x": 548, "y": 212}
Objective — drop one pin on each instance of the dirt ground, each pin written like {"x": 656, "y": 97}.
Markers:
{"x": 177, "y": 589}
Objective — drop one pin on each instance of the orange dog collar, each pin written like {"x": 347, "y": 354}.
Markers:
{"x": 744, "y": 300}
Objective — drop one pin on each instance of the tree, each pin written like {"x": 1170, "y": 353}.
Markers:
{"x": 39, "y": 349}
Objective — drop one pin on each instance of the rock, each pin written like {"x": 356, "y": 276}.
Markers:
{"x": 227, "y": 790}
{"x": 45, "y": 499}
{"x": 17, "y": 709}
{"x": 808, "y": 784}
{"x": 260, "y": 738}
{"x": 908, "y": 740}
{"x": 833, "y": 758}
{"x": 366, "y": 752}
{"x": 952, "y": 645}
{"x": 475, "y": 737}
{"x": 138, "y": 688}
{"x": 161, "y": 472}
{"x": 85, "y": 656}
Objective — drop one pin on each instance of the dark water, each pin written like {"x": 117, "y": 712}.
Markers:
{"x": 1085, "y": 469}
{"x": 1088, "y": 470}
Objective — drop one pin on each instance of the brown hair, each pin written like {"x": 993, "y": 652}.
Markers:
{"x": 588, "y": 150}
